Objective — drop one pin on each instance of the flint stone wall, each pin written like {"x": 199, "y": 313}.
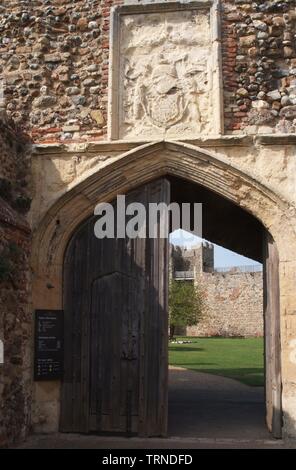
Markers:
{"x": 54, "y": 60}
{"x": 233, "y": 305}
{"x": 15, "y": 311}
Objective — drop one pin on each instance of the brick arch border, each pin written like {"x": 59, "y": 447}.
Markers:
{"x": 148, "y": 162}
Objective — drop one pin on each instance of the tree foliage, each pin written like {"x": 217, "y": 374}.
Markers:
{"x": 186, "y": 304}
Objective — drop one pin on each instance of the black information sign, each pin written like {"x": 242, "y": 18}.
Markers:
{"x": 48, "y": 363}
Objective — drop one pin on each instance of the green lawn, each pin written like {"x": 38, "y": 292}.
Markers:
{"x": 240, "y": 359}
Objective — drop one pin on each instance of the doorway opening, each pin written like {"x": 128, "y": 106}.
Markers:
{"x": 221, "y": 366}
{"x": 216, "y": 342}
{"x": 116, "y": 317}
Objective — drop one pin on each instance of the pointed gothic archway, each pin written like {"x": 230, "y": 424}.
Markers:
{"x": 140, "y": 166}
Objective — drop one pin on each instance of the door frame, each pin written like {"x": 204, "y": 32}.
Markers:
{"x": 272, "y": 340}
{"x": 131, "y": 169}
{"x": 272, "y": 337}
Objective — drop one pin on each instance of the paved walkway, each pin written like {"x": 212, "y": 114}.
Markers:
{"x": 205, "y": 412}
{"x": 206, "y": 405}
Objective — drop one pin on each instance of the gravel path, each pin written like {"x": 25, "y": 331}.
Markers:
{"x": 206, "y": 405}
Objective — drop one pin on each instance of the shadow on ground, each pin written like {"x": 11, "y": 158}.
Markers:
{"x": 210, "y": 406}
{"x": 186, "y": 349}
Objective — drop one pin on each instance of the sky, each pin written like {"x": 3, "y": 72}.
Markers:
{"x": 222, "y": 257}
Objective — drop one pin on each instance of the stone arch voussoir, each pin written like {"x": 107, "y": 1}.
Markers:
{"x": 129, "y": 170}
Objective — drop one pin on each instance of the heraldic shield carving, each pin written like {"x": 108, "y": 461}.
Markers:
{"x": 162, "y": 99}
{"x": 166, "y": 75}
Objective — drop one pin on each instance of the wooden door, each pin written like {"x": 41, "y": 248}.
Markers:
{"x": 273, "y": 385}
{"x": 116, "y": 326}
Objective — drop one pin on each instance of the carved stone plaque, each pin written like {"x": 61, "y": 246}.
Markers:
{"x": 166, "y": 75}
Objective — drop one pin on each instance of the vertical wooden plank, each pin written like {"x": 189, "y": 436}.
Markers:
{"x": 66, "y": 391}
{"x": 154, "y": 363}
{"x": 163, "y": 290}
{"x": 75, "y": 383}
{"x": 83, "y": 424}
{"x": 273, "y": 385}
{"x": 143, "y": 312}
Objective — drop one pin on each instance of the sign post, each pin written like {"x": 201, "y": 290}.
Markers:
{"x": 48, "y": 360}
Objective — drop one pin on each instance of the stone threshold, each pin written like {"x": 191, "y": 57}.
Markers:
{"x": 59, "y": 441}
